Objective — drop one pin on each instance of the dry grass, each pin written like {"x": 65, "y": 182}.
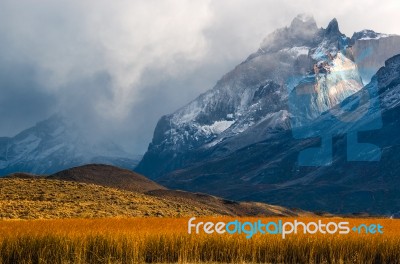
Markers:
{"x": 41, "y": 198}
{"x": 116, "y": 238}
{"x": 154, "y": 240}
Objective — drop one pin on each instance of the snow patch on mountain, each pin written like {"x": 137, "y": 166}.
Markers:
{"x": 320, "y": 53}
{"x": 217, "y": 127}
{"x": 252, "y": 102}
{"x": 377, "y": 37}
{"x": 242, "y": 127}
{"x": 370, "y": 34}
{"x": 297, "y": 51}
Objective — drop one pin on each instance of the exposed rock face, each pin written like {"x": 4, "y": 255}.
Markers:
{"x": 237, "y": 140}
{"x": 371, "y": 49}
{"x": 269, "y": 170}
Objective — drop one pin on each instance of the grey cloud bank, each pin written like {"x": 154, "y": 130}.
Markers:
{"x": 116, "y": 67}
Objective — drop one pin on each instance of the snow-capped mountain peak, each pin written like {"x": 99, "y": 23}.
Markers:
{"x": 303, "y": 21}
{"x": 55, "y": 144}
{"x": 301, "y": 30}
{"x": 251, "y": 103}
{"x": 367, "y": 34}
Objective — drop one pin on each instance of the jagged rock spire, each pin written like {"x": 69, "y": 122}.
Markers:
{"x": 333, "y": 27}
{"x": 303, "y": 21}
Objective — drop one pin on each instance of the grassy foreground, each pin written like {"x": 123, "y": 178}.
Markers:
{"x": 155, "y": 240}
{"x": 48, "y": 198}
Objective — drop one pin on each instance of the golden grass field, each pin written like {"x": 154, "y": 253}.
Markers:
{"x": 165, "y": 240}
{"x": 40, "y": 198}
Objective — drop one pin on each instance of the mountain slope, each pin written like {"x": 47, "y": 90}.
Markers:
{"x": 251, "y": 103}
{"x": 242, "y": 139}
{"x": 56, "y": 144}
{"x": 269, "y": 170}
{"x": 226, "y": 207}
{"x": 371, "y": 50}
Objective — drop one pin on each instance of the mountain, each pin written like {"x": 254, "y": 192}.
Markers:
{"x": 242, "y": 139}
{"x": 97, "y": 190}
{"x": 269, "y": 170}
{"x": 371, "y": 49}
{"x": 55, "y": 144}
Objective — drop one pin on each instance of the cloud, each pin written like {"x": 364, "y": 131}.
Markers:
{"x": 72, "y": 40}
{"x": 117, "y": 66}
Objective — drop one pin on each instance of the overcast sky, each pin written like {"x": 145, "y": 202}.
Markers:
{"x": 116, "y": 67}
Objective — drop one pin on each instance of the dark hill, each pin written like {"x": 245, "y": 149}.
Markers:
{"x": 225, "y": 207}
{"x": 96, "y": 188}
{"x": 108, "y": 176}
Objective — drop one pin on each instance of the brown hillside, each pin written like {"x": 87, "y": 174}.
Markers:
{"x": 42, "y": 198}
{"x": 115, "y": 177}
{"x": 104, "y": 191}
{"x": 107, "y": 175}
{"x": 226, "y": 207}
